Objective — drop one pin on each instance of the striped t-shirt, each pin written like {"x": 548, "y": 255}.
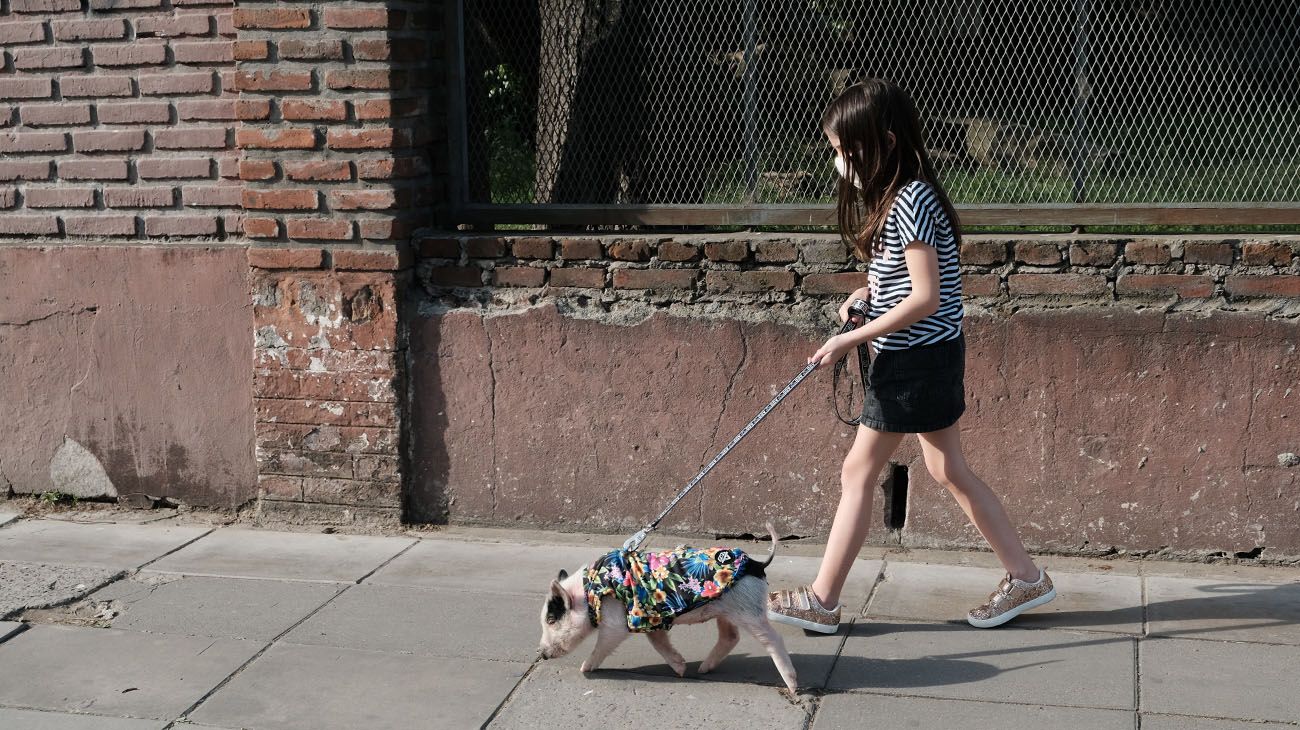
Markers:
{"x": 916, "y": 215}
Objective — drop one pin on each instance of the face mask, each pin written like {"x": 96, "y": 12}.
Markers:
{"x": 842, "y": 168}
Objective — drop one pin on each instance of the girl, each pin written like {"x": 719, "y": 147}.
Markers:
{"x": 894, "y": 213}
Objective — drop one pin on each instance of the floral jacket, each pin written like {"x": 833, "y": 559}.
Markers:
{"x": 656, "y": 587}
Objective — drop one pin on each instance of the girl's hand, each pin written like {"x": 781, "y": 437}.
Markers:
{"x": 864, "y": 294}
{"x": 831, "y": 352}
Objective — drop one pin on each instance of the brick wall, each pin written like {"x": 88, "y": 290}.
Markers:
{"x": 116, "y": 119}
{"x": 334, "y": 103}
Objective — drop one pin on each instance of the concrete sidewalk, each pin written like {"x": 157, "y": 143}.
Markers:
{"x": 174, "y": 625}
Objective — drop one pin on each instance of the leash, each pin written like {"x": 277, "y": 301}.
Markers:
{"x": 857, "y": 309}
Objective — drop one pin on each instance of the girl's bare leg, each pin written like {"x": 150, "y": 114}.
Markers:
{"x": 870, "y": 452}
{"x": 945, "y": 462}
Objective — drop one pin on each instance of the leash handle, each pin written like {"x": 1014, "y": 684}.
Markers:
{"x": 857, "y": 310}
{"x": 861, "y": 308}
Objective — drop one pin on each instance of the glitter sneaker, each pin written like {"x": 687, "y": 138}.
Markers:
{"x": 801, "y": 608}
{"x": 1012, "y": 598}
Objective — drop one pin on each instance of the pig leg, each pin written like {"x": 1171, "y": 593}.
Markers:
{"x": 612, "y": 631}
{"x": 771, "y": 640}
{"x": 659, "y": 640}
{"x": 728, "y": 635}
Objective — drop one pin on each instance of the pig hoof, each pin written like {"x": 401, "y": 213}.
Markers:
{"x": 679, "y": 666}
{"x": 705, "y": 668}
{"x": 586, "y": 667}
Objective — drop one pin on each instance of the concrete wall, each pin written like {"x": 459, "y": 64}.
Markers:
{"x": 1115, "y": 403}
{"x": 125, "y": 370}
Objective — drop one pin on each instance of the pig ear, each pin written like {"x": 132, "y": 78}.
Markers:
{"x": 563, "y": 574}
{"x": 557, "y": 604}
{"x": 559, "y": 596}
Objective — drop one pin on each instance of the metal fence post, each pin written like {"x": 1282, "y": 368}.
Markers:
{"x": 751, "y": 130}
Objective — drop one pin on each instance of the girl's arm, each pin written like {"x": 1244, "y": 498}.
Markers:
{"x": 923, "y": 268}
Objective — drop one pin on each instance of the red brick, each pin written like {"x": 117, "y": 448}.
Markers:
{"x": 533, "y": 248}
{"x": 726, "y": 251}
{"x": 252, "y": 110}
{"x": 281, "y": 199}
{"x": 297, "y": 49}
{"x": 131, "y": 54}
{"x": 317, "y": 437}
{"x": 29, "y": 59}
{"x": 364, "y": 79}
{"x": 364, "y": 18}
{"x": 174, "y": 168}
{"x": 654, "y": 278}
{"x": 1277, "y": 285}
{"x": 107, "y": 5}
{"x": 1205, "y": 252}
{"x": 839, "y": 283}
{"x": 312, "y": 170}
{"x": 256, "y": 169}
{"x": 315, "y": 412}
{"x": 54, "y": 115}
{"x": 211, "y": 196}
{"x": 117, "y": 141}
{"x": 439, "y": 248}
{"x": 8, "y": 197}
{"x": 203, "y": 52}
{"x": 580, "y": 248}
{"x": 749, "y": 281}
{"x": 327, "y": 229}
{"x": 135, "y": 112}
{"x": 252, "y": 50}
{"x": 272, "y": 18}
{"x": 33, "y": 142}
{"x": 630, "y": 250}
{"x": 485, "y": 248}
{"x": 278, "y": 486}
{"x": 376, "y": 138}
{"x": 362, "y": 199}
{"x": 1038, "y": 254}
{"x": 89, "y": 30}
{"x": 26, "y": 169}
{"x": 449, "y": 276}
{"x": 372, "y": 109}
{"x": 273, "y": 80}
{"x": 93, "y": 169}
{"x": 261, "y": 228}
{"x": 765, "y": 252}
{"x": 28, "y": 225}
{"x": 173, "y": 26}
{"x": 1048, "y": 284}
{"x": 225, "y": 21}
{"x": 518, "y": 276}
{"x": 582, "y": 277}
{"x": 60, "y": 197}
{"x": 368, "y": 260}
{"x": 983, "y": 253}
{"x": 191, "y": 138}
{"x": 139, "y": 197}
{"x": 1147, "y": 252}
{"x": 180, "y": 225}
{"x": 387, "y": 168}
{"x": 1265, "y": 253}
{"x": 383, "y": 49}
{"x": 981, "y": 285}
{"x": 296, "y": 110}
{"x": 1093, "y": 253}
{"x": 285, "y": 258}
{"x": 386, "y": 229}
{"x": 177, "y": 83}
{"x": 284, "y": 138}
{"x": 207, "y": 110}
{"x": 1164, "y": 284}
{"x": 45, "y": 6}
{"x": 99, "y": 225}
{"x": 824, "y": 252}
{"x": 25, "y": 88}
{"x": 14, "y": 32}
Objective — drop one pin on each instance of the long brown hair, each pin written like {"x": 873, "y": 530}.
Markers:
{"x": 862, "y": 118}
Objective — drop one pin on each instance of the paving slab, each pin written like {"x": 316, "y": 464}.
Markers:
{"x": 843, "y": 711}
{"x": 927, "y": 592}
{"x": 813, "y": 656}
{"x": 420, "y": 621}
{"x": 39, "y": 720}
{"x": 987, "y": 559}
{"x": 1182, "y": 722}
{"x": 235, "y": 553}
{"x": 9, "y": 628}
{"x": 1226, "y": 611}
{"x": 485, "y": 567}
{"x": 7, "y": 517}
{"x": 124, "y": 673}
{"x": 231, "y": 608}
{"x": 1031, "y": 666}
{"x": 293, "y": 687}
{"x": 101, "y": 545}
{"x": 552, "y": 696}
{"x": 38, "y": 585}
{"x": 1220, "y": 679}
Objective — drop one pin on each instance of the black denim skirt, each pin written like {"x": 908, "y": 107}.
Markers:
{"x": 917, "y": 390}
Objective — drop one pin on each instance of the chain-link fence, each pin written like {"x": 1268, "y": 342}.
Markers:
{"x": 587, "y": 105}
